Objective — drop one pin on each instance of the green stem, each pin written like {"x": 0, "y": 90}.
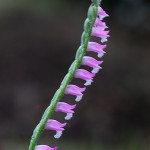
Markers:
{"x": 89, "y": 22}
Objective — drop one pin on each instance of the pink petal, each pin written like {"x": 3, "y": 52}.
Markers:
{"x": 98, "y": 32}
{"x": 91, "y": 62}
{"x": 83, "y": 74}
{"x": 64, "y": 107}
{"x": 54, "y": 125}
{"x": 102, "y": 14}
{"x": 44, "y": 147}
{"x": 95, "y": 47}
{"x": 101, "y": 24}
{"x": 74, "y": 90}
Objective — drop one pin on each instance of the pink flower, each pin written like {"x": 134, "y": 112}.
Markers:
{"x": 98, "y": 32}
{"x": 44, "y": 147}
{"x": 101, "y": 13}
{"x": 75, "y": 90}
{"x": 100, "y": 24}
{"x": 95, "y": 47}
{"x": 92, "y": 62}
{"x": 66, "y": 108}
{"x": 84, "y": 75}
{"x": 56, "y": 126}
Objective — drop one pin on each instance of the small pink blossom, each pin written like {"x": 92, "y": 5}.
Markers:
{"x": 56, "y": 126}
{"x": 95, "y": 47}
{"x": 75, "y": 90}
{"x": 99, "y": 23}
{"x": 101, "y": 13}
{"x": 44, "y": 147}
{"x": 92, "y": 62}
{"x": 85, "y": 75}
{"x": 98, "y": 32}
{"x": 66, "y": 108}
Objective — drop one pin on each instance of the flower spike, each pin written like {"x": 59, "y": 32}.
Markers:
{"x": 92, "y": 62}
{"x": 85, "y": 75}
{"x": 75, "y": 90}
{"x": 56, "y": 126}
{"x": 66, "y": 108}
{"x": 93, "y": 26}
{"x": 44, "y": 147}
{"x": 95, "y": 47}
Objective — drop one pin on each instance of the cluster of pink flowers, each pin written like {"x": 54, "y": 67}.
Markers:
{"x": 99, "y": 31}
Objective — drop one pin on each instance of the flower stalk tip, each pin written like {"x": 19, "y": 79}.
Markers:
{"x": 96, "y": 2}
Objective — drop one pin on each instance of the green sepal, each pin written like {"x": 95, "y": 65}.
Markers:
{"x": 79, "y": 52}
{"x": 83, "y": 38}
{"x": 72, "y": 67}
{"x": 92, "y": 13}
{"x": 65, "y": 80}
{"x": 87, "y": 25}
{"x": 45, "y": 113}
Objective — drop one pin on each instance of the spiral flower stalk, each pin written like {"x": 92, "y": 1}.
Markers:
{"x": 93, "y": 26}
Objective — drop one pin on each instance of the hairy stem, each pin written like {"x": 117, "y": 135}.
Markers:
{"x": 89, "y": 22}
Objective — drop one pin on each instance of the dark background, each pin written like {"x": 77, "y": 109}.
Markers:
{"x": 38, "y": 42}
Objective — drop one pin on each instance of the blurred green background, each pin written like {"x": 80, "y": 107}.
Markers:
{"x": 38, "y": 41}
